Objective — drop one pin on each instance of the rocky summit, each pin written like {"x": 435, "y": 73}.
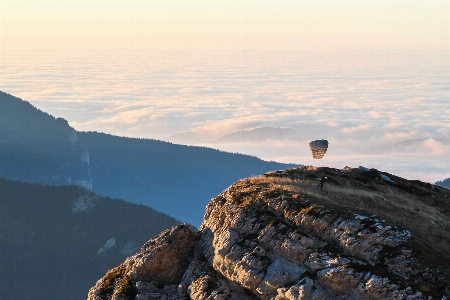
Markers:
{"x": 365, "y": 234}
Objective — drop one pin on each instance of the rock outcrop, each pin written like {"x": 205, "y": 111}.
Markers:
{"x": 274, "y": 237}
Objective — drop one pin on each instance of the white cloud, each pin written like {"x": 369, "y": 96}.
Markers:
{"x": 357, "y": 101}
{"x": 393, "y": 125}
{"x": 374, "y": 114}
{"x": 351, "y": 104}
{"x": 362, "y": 127}
{"x": 436, "y": 148}
{"x": 399, "y": 136}
{"x": 186, "y": 90}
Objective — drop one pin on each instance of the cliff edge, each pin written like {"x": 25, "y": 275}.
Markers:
{"x": 365, "y": 235}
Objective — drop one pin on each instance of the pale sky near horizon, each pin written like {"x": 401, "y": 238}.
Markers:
{"x": 370, "y": 76}
{"x": 301, "y": 24}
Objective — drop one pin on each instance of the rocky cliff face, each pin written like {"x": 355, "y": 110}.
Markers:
{"x": 279, "y": 236}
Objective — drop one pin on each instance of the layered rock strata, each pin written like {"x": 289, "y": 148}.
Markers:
{"x": 259, "y": 243}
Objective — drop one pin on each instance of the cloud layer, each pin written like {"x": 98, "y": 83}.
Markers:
{"x": 367, "y": 104}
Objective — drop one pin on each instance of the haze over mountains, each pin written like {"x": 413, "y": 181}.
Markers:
{"x": 37, "y": 147}
{"x": 56, "y": 241}
{"x": 445, "y": 182}
{"x": 74, "y": 230}
{"x": 269, "y": 133}
{"x": 175, "y": 179}
{"x": 254, "y": 135}
{"x": 357, "y": 100}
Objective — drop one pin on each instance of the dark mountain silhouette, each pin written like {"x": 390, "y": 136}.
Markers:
{"x": 175, "y": 179}
{"x": 37, "y": 147}
{"x": 178, "y": 180}
{"x": 56, "y": 241}
{"x": 445, "y": 182}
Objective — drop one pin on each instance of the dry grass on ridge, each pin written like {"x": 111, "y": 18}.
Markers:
{"x": 418, "y": 214}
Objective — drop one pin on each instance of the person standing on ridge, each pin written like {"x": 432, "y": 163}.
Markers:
{"x": 322, "y": 181}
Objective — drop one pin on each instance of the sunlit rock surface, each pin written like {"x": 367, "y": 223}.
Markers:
{"x": 268, "y": 238}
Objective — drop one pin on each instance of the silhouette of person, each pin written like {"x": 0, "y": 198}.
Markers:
{"x": 322, "y": 181}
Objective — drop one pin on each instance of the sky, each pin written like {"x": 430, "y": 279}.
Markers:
{"x": 372, "y": 77}
{"x": 299, "y": 24}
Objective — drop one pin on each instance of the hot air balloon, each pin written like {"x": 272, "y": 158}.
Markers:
{"x": 318, "y": 148}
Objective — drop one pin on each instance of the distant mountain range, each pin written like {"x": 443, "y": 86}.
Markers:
{"x": 406, "y": 145}
{"x": 445, "y": 182}
{"x": 257, "y": 135}
{"x": 56, "y": 241}
{"x": 174, "y": 179}
{"x": 254, "y": 135}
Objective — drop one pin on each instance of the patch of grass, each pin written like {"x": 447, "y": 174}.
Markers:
{"x": 308, "y": 209}
{"x": 107, "y": 285}
{"x": 116, "y": 281}
{"x": 330, "y": 180}
{"x": 407, "y": 204}
{"x": 273, "y": 222}
{"x": 361, "y": 179}
{"x": 125, "y": 287}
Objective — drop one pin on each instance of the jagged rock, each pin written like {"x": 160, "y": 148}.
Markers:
{"x": 376, "y": 287}
{"x": 305, "y": 289}
{"x": 280, "y": 273}
{"x": 155, "y": 270}
{"x": 163, "y": 259}
{"x": 318, "y": 261}
{"x": 209, "y": 287}
{"x": 259, "y": 241}
{"x": 339, "y": 279}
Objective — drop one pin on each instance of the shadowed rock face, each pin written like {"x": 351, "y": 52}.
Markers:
{"x": 261, "y": 242}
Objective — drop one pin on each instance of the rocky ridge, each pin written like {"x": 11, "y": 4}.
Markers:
{"x": 275, "y": 237}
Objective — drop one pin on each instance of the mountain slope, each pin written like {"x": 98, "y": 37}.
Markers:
{"x": 175, "y": 179}
{"x": 37, "y": 147}
{"x": 178, "y": 180}
{"x": 445, "y": 182}
{"x": 55, "y": 241}
{"x": 365, "y": 235}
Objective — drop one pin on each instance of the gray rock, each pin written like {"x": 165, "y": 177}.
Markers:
{"x": 253, "y": 244}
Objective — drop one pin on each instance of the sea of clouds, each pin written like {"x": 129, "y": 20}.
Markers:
{"x": 383, "y": 109}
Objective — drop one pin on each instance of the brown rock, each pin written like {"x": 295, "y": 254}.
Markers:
{"x": 163, "y": 259}
{"x": 260, "y": 241}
